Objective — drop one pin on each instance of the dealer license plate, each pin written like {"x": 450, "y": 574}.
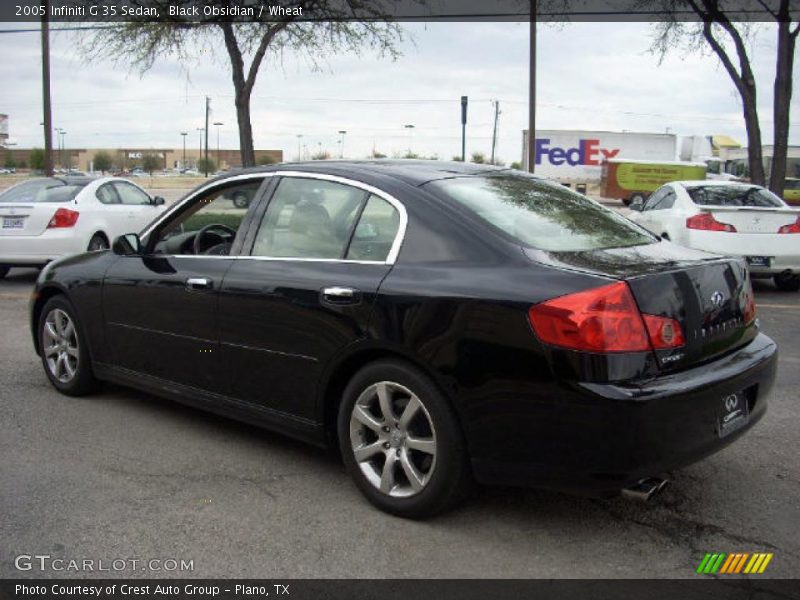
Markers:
{"x": 758, "y": 261}
{"x": 13, "y": 222}
{"x": 733, "y": 415}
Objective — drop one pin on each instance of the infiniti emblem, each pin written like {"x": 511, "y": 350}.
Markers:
{"x": 731, "y": 402}
{"x": 717, "y": 299}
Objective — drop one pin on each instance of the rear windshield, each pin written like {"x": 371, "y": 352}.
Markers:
{"x": 542, "y": 215}
{"x": 733, "y": 195}
{"x": 41, "y": 190}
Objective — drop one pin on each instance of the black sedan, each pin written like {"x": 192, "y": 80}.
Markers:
{"x": 440, "y": 323}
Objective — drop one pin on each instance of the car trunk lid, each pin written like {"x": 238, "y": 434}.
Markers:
{"x": 26, "y": 219}
{"x": 753, "y": 219}
{"x": 705, "y": 293}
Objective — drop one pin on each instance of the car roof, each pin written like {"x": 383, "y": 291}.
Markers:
{"x": 414, "y": 172}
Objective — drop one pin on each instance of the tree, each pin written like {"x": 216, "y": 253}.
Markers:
{"x": 267, "y": 160}
{"x": 150, "y": 162}
{"x": 719, "y": 31}
{"x": 102, "y": 161}
{"x": 516, "y": 165}
{"x": 457, "y": 157}
{"x": 10, "y": 163}
{"x": 36, "y": 159}
{"x": 332, "y": 32}
{"x": 376, "y": 154}
{"x": 206, "y": 165}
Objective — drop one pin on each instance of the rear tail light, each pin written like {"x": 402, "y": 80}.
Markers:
{"x": 707, "y": 222}
{"x": 64, "y": 217}
{"x": 749, "y": 304}
{"x": 604, "y": 319}
{"x": 791, "y": 227}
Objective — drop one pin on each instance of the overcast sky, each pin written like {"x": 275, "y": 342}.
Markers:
{"x": 590, "y": 76}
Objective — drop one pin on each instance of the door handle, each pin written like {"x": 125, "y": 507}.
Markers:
{"x": 198, "y": 283}
{"x": 341, "y": 295}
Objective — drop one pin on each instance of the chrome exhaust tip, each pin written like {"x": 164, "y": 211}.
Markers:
{"x": 645, "y": 489}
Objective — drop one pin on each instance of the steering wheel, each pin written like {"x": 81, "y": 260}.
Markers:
{"x": 199, "y": 235}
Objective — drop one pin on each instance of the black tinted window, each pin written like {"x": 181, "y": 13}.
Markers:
{"x": 733, "y": 195}
{"x": 539, "y": 214}
{"x": 41, "y": 190}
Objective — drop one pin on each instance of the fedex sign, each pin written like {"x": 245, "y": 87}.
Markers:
{"x": 588, "y": 152}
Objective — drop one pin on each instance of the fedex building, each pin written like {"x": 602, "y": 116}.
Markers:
{"x": 577, "y": 156}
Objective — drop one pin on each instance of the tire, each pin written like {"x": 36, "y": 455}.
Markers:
{"x": 665, "y": 236}
{"x": 240, "y": 200}
{"x": 430, "y": 469}
{"x": 4, "y": 271}
{"x": 790, "y": 283}
{"x": 68, "y": 366}
{"x": 98, "y": 242}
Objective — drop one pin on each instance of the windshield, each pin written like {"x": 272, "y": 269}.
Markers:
{"x": 733, "y": 195}
{"x": 41, "y": 190}
{"x": 542, "y": 215}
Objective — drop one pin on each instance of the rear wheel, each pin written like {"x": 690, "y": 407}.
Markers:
{"x": 401, "y": 442}
{"x": 63, "y": 347}
{"x": 787, "y": 283}
{"x": 638, "y": 197}
{"x": 98, "y": 242}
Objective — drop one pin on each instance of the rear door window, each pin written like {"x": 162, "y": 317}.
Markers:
{"x": 375, "y": 232}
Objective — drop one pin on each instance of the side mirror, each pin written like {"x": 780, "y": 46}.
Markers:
{"x": 158, "y": 201}
{"x": 637, "y": 205}
{"x": 127, "y": 245}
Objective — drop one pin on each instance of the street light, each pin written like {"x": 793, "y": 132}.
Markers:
{"x": 299, "y": 137}
{"x": 342, "y": 132}
{"x": 410, "y": 128}
{"x": 218, "y": 124}
{"x": 200, "y": 152}
{"x": 183, "y": 164}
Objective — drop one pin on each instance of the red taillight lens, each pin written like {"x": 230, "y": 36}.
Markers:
{"x": 791, "y": 228}
{"x": 665, "y": 333}
{"x": 64, "y": 217}
{"x": 749, "y": 304}
{"x": 707, "y": 222}
{"x": 604, "y": 319}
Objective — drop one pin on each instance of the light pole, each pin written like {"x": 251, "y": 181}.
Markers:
{"x": 58, "y": 145}
{"x": 299, "y": 137}
{"x": 410, "y": 128}
{"x": 200, "y": 151}
{"x": 217, "y": 125}
{"x": 342, "y": 133}
{"x": 183, "y": 164}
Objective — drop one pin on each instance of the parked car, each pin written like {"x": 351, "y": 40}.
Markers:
{"x": 437, "y": 322}
{"x": 791, "y": 191}
{"x": 45, "y": 218}
{"x": 735, "y": 219}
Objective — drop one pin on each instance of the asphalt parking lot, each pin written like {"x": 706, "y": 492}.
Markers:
{"x": 125, "y": 475}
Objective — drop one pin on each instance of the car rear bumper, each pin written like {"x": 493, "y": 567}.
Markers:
{"x": 39, "y": 249}
{"x": 599, "y": 438}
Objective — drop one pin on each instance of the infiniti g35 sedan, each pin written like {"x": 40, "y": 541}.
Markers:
{"x": 439, "y": 323}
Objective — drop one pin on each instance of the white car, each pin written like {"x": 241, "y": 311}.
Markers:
{"x": 730, "y": 218}
{"x": 42, "y": 219}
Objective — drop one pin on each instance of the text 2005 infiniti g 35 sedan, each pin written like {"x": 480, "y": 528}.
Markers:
{"x": 441, "y": 323}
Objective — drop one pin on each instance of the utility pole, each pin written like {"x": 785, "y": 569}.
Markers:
{"x": 200, "y": 148}
{"x": 219, "y": 162}
{"x": 184, "y": 134}
{"x": 208, "y": 107}
{"x": 464, "y": 101}
{"x": 494, "y": 131}
{"x": 532, "y": 91}
{"x": 48, "y": 113}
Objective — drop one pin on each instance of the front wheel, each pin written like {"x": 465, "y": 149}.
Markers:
{"x": 787, "y": 283}
{"x": 401, "y": 442}
{"x": 63, "y": 348}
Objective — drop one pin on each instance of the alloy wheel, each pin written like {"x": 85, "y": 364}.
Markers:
{"x": 60, "y": 345}
{"x": 393, "y": 439}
